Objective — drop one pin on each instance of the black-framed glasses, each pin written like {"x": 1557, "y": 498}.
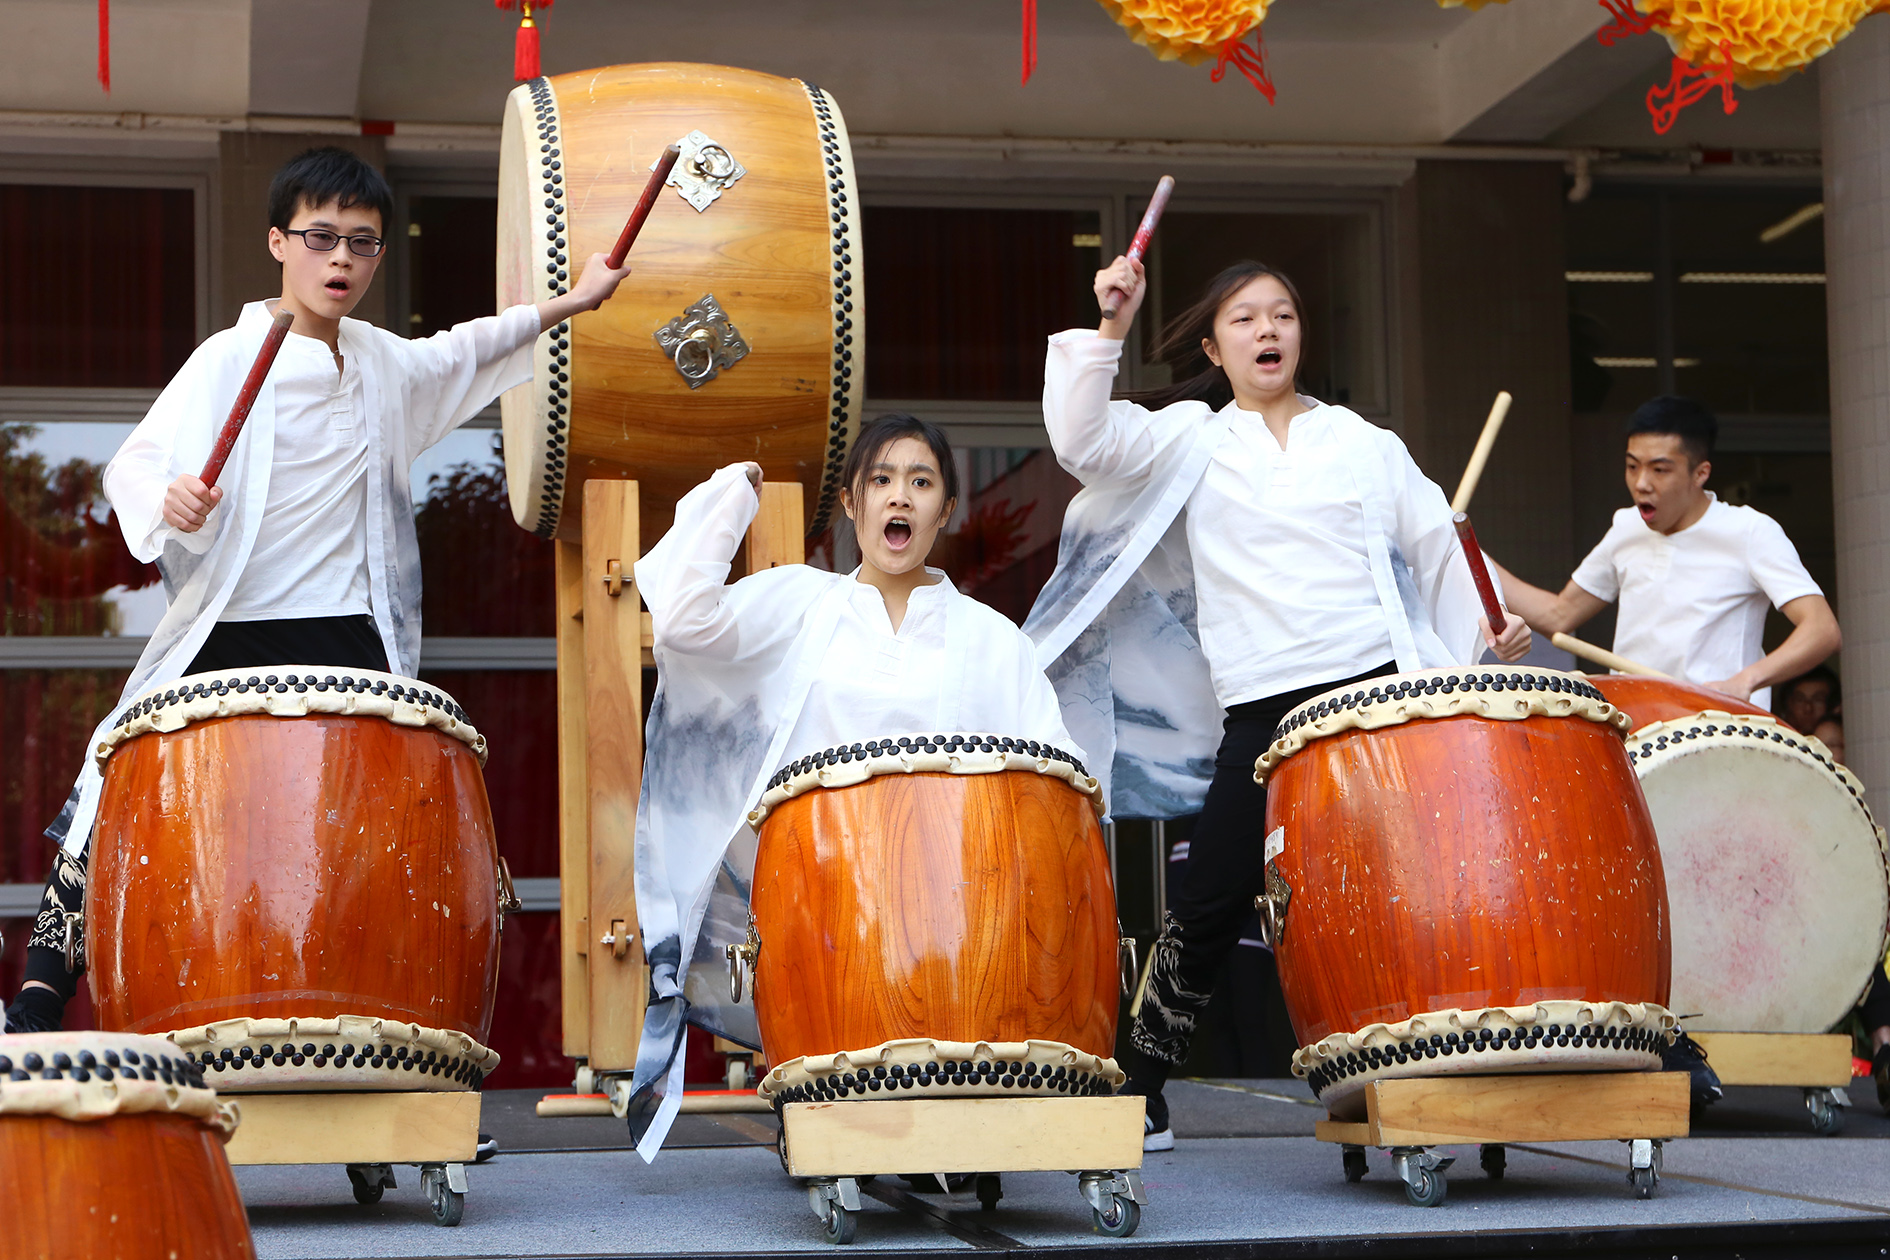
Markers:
{"x": 322, "y": 240}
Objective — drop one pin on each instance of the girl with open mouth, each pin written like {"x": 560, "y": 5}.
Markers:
{"x": 783, "y": 664}
{"x": 1237, "y": 548}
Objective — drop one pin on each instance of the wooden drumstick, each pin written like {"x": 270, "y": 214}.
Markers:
{"x": 1473, "y": 471}
{"x": 252, "y": 385}
{"x": 1602, "y": 656}
{"x": 1139, "y": 246}
{"x": 1480, "y": 573}
{"x": 664, "y": 165}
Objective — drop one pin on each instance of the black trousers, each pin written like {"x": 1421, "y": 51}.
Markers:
{"x": 55, "y": 950}
{"x": 1226, "y": 871}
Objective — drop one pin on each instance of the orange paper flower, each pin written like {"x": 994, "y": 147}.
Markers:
{"x": 1187, "y": 30}
{"x": 1765, "y": 39}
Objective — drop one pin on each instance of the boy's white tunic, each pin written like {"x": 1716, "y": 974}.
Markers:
{"x": 1118, "y": 625}
{"x": 415, "y": 392}
{"x": 751, "y": 676}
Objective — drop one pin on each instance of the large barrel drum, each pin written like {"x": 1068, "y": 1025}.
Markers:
{"x": 933, "y": 916}
{"x": 1462, "y": 877}
{"x": 113, "y": 1146}
{"x": 742, "y": 333}
{"x": 295, "y": 877}
{"x": 1778, "y": 886}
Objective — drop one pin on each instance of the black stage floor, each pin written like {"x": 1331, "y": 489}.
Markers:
{"x": 1246, "y": 1180}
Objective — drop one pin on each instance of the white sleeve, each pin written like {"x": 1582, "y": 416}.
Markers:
{"x": 137, "y": 476}
{"x": 684, "y": 578}
{"x": 1094, "y": 438}
{"x": 1597, "y": 573}
{"x": 1427, "y": 534}
{"x": 1039, "y": 712}
{"x": 1774, "y": 563}
{"x": 457, "y": 372}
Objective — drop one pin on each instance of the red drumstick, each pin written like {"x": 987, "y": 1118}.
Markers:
{"x": 252, "y": 385}
{"x": 648, "y": 199}
{"x": 1139, "y": 246}
{"x": 1473, "y": 556}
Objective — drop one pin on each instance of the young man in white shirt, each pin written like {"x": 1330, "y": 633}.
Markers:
{"x": 1694, "y": 577}
{"x": 313, "y": 559}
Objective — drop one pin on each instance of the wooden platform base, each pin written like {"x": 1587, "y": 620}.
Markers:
{"x": 984, "y": 1135}
{"x": 370, "y": 1128}
{"x": 1578, "y": 1107}
{"x": 1805, "y": 1059}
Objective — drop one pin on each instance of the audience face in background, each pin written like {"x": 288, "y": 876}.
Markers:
{"x": 1807, "y": 703}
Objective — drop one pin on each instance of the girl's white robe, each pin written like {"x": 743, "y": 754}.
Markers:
{"x": 735, "y": 667}
{"x": 1115, "y": 625}
{"x": 414, "y": 392}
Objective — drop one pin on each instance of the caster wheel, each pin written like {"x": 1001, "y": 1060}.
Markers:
{"x": 1355, "y": 1165}
{"x": 1643, "y": 1180}
{"x": 737, "y": 1074}
{"x": 990, "y": 1191}
{"x": 448, "y": 1204}
{"x": 1426, "y": 1188}
{"x": 1120, "y": 1221}
{"x": 1826, "y": 1119}
{"x": 841, "y": 1225}
{"x": 369, "y": 1184}
{"x": 1494, "y": 1160}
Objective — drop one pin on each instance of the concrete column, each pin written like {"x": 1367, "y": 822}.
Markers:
{"x": 1855, "y": 82}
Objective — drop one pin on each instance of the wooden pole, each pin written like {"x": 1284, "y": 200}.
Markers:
{"x": 1480, "y": 573}
{"x": 1473, "y": 471}
{"x": 1602, "y": 656}
{"x": 642, "y": 210}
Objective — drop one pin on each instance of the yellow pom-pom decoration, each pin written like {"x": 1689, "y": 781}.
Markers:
{"x": 1187, "y": 30}
{"x": 1767, "y": 39}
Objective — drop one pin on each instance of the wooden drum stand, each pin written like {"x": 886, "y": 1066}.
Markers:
{"x": 604, "y": 643}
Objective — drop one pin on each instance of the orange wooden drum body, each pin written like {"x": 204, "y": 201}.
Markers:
{"x": 778, "y": 250}
{"x": 148, "y": 1184}
{"x": 1648, "y": 700}
{"x": 962, "y": 908}
{"x": 294, "y": 866}
{"x": 1462, "y": 863}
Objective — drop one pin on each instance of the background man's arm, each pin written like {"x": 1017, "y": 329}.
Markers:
{"x": 1814, "y": 637}
{"x": 1546, "y": 613}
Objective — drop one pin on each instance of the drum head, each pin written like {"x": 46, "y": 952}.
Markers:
{"x": 1775, "y": 874}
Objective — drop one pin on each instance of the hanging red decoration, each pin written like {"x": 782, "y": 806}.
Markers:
{"x": 525, "y": 48}
{"x": 105, "y": 44}
{"x": 1030, "y": 38}
{"x": 1251, "y": 62}
{"x": 1688, "y": 84}
{"x": 1627, "y": 21}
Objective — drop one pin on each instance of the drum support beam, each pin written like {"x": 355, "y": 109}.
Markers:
{"x": 603, "y": 647}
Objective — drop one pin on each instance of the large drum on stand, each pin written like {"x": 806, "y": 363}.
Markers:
{"x": 113, "y": 1146}
{"x": 741, "y": 334}
{"x": 1462, "y": 877}
{"x": 1777, "y": 881}
{"x": 295, "y": 878}
{"x": 933, "y": 917}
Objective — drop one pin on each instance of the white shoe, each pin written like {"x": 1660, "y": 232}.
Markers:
{"x": 1154, "y": 1141}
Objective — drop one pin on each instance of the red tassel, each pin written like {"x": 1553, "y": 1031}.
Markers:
{"x": 525, "y": 52}
{"x": 1251, "y": 62}
{"x": 525, "y": 62}
{"x": 1627, "y": 21}
{"x": 105, "y": 44}
{"x": 1030, "y": 37}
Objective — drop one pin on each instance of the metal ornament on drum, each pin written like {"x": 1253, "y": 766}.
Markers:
{"x": 1462, "y": 877}
{"x": 741, "y": 335}
{"x": 113, "y": 1145}
{"x": 1778, "y": 886}
{"x": 933, "y": 917}
{"x": 294, "y": 878}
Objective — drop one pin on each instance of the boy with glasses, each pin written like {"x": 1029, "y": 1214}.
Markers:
{"x": 305, "y": 551}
